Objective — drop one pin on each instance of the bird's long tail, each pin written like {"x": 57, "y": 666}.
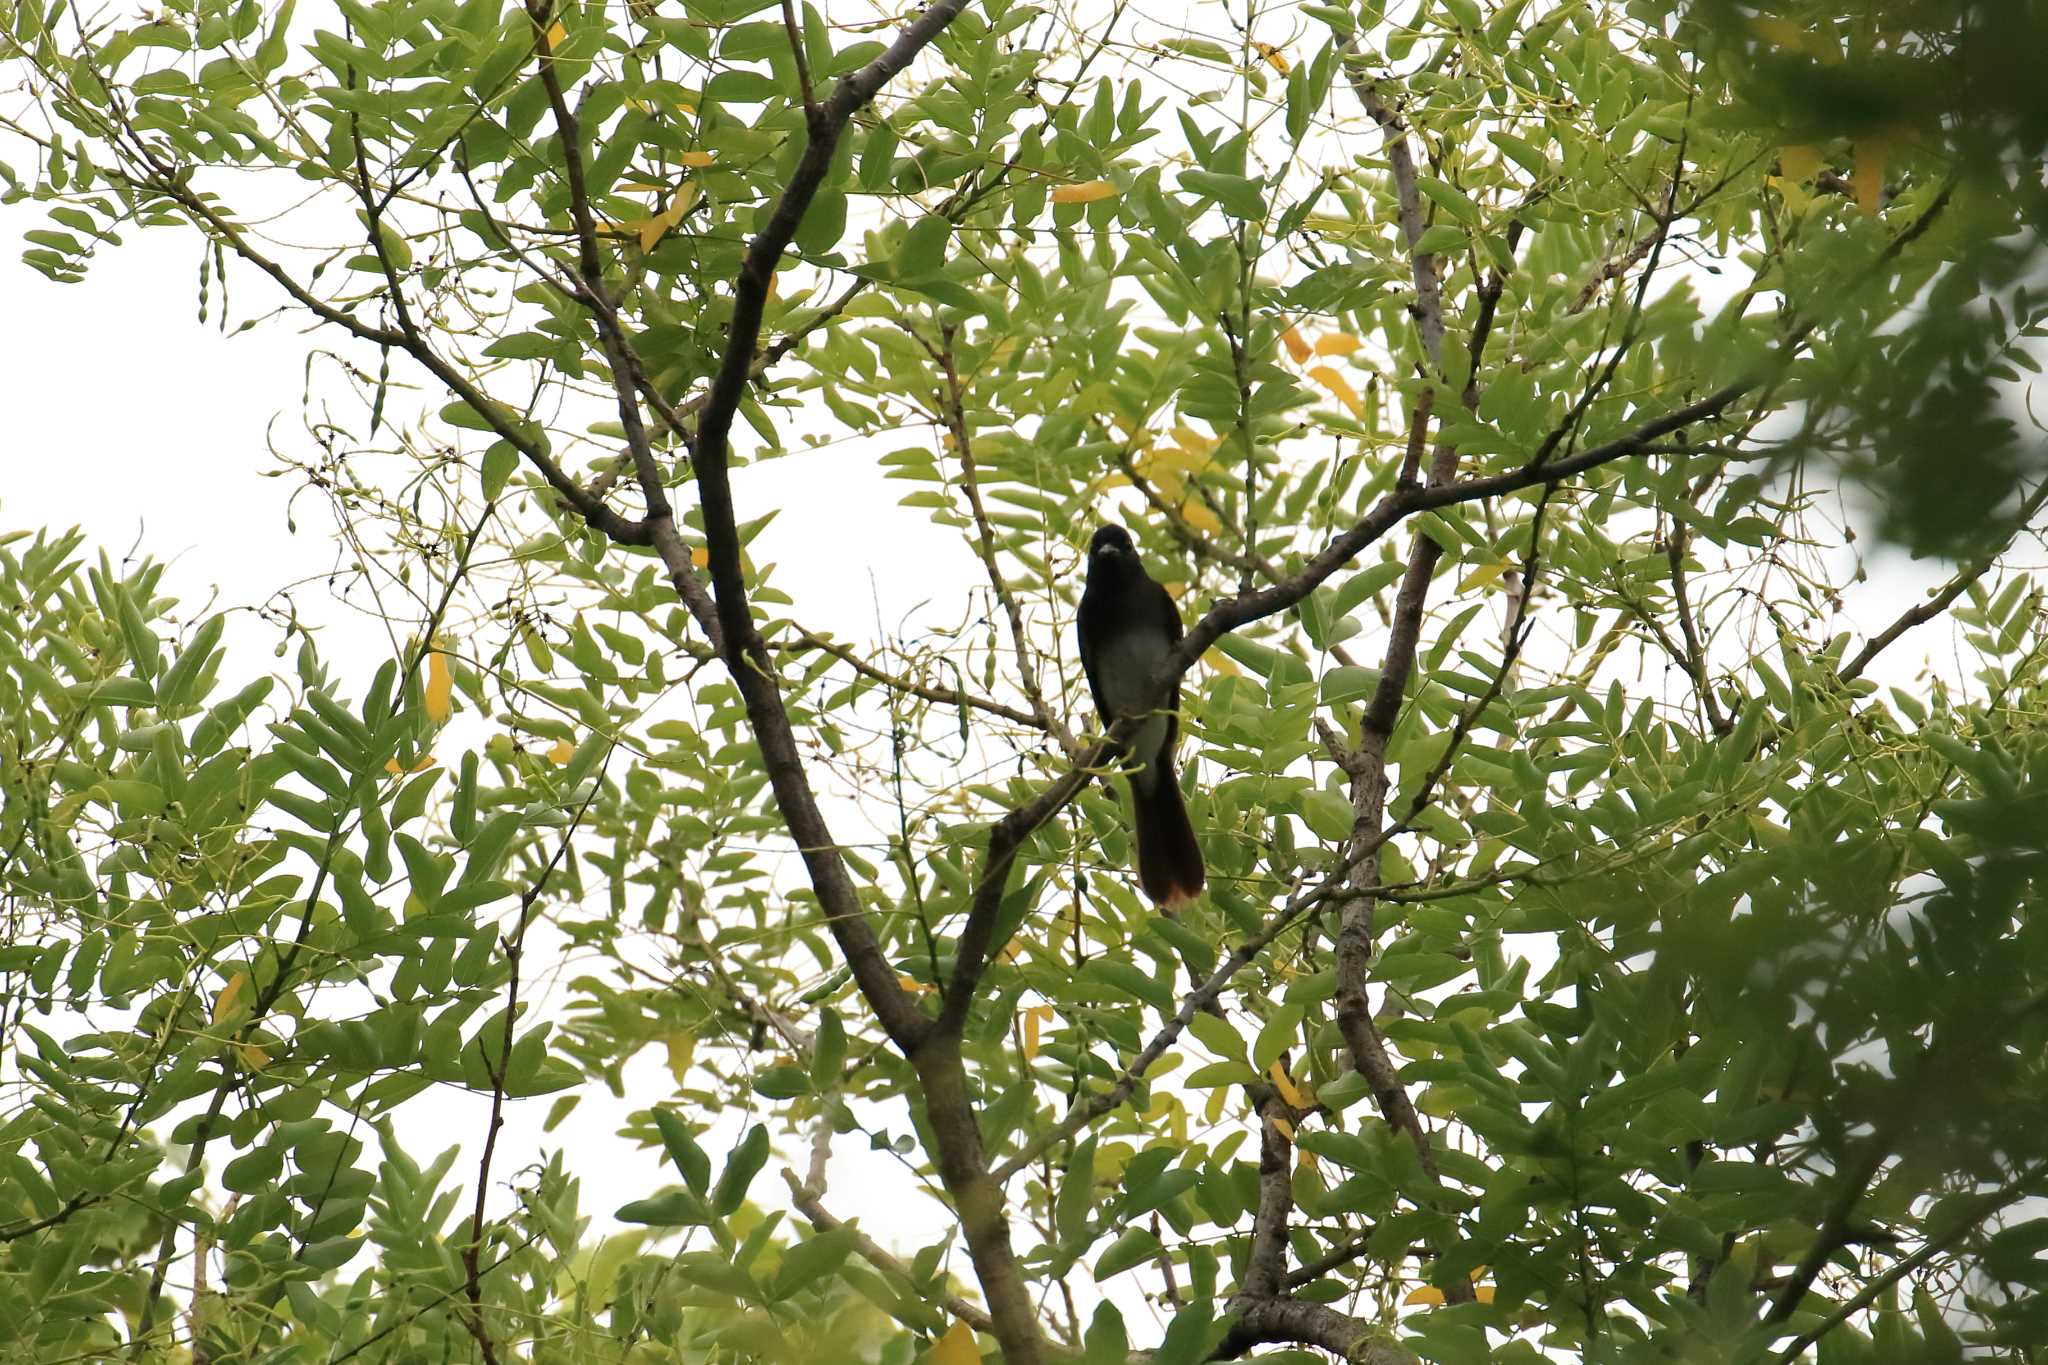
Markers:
{"x": 1169, "y": 859}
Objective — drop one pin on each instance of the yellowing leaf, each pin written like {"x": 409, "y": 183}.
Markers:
{"x": 426, "y": 761}
{"x": 1337, "y": 343}
{"x": 440, "y": 688}
{"x": 682, "y": 1050}
{"x": 1305, "y": 1160}
{"x": 1034, "y": 1018}
{"x": 1196, "y": 513}
{"x": 700, "y": 557}
{"x": 1483, "y": 1292}
{"x": 1795, "y": 195}
{"x": 253, "y": 1057}
{"x": 1213, "y": 1112}
{"x": 1296, "y": 346}
{"x": 1338, "y": 385}
{"x": 1428, "y": 1294}
{"x": 697, "y": 160}
{"x": 1221, "y": 664}
{"x": 563, "y": 751}
{"x": 957, "y": 1347}
{"x": 1284, "y": 1083}
{"x": 224, "y": 1003}
{"x": 1868, "y": 177}
{"x": 1188, "y": 439}
{"x": 1087, "y": 192}
{"x": 914, "y": 987}
{"x": 1275, "y": 58}
{"x": 555, "y": 35}
{"x": 1485, "y": 574}
{"x": 1282, "y": 1127}
{"x": 650, "y": 230}
{"x": 1800, "y": 161}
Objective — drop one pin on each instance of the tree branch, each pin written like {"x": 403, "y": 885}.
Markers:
{"x": 745, "y": 653}
{"x": 985, "y": 546}
{"x": 958, "y": 696}
{"x": 1934, "y": 606}
{"x": 1290, "y": 1321}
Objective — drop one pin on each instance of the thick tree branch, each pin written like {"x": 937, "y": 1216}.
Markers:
{"x": 934, "y": 1054}
{"x": 1289, "y": 1321}
{"x": 1266, "y": 1267}
{"x": 742, "y": 647}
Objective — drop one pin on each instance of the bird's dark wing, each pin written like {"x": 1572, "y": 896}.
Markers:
{"x": 1162, "y": 605}
{"x": 1089, "y": 624}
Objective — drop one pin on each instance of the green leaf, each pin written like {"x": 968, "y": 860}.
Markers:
{"x": 1239, "y": 197}
{"x": 1136, "y": 1246}
{"x": 683, "y": 1150}
{"x": 740, "y": 1169}
{"x": 1347, "y": 1089}
{"x": 1218, "y": 1035}
{"x": 499, "y": 463}
{"x": 924, "y": 248}
{"x": 810, "y": 1261}
{"x": 676, "y": 1208}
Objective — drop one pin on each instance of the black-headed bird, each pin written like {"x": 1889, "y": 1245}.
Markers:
{"x": 1128, "y": 625}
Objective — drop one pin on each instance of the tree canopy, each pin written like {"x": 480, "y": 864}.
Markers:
{"x": 1615, "y": 949}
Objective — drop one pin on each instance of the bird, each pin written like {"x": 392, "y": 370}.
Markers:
{"x": 1127, "y": 625}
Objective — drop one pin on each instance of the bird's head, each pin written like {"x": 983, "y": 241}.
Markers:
{"x": 1111, "y": 545}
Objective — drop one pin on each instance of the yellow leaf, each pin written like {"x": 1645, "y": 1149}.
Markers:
{"x": 391, "y": 765}
{"x": 1428, "y": 1294}
{"x": 682, "y": 1050}
{"x": 254, "y": 1057}
{"x": 1338, "y": 385}
{"x": 563, "y": 751}
{"x": 1483, "y": 1292}
{"x": 1188, "y": 439}
{"x": 1795, "y": 195}
{"x": 697, "y": 160}
{"x": 1275, "y": 58}
{"x": 440, "y": 688}
{"x": 1196, "y": 513}
{"x": 1485, "y": 574}
{"x": 914, "y": 987}
{"x": 957, "y": 1347}
{"x": 1034, "y": 1018}
{"x": 224, "y": 1003}
{"x": 1868, "y": 177}
{"x": 1222, "y": 664}
{"x": 1305, "y": 1160}
{"x": 700, "y": 557}
{"x": 1296, "y": 346}
{"x": 1087, "y": 192}
{"x": 1800, "y": 161}
{"x": 1283, "y": 1127}
{"x": 555, "y": 35}
{"x": 1337, "y": 343}
{"x": 1284, "y": 1083}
